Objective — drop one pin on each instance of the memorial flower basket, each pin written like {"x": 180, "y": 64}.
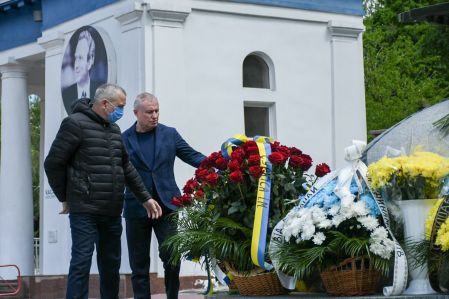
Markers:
{"x": 228, "y": 210}
{"x": 342, "y": 238}
{"x": 413, "y": 183}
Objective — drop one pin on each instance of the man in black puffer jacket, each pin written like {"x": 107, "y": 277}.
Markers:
{"x": 87, "y": 168}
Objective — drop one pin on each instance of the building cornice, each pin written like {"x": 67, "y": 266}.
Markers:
{"x": 169, "y": 14}
{"x": 13, "y": 69}
{"x": 52, "y": 42}
{"x": 344, "y": 29}
{"x": 130, "y": 16}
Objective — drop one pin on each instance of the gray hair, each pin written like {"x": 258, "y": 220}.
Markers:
{"x": 144, "y": 96}
{"x": 90, "y": 42}
{"x": 108, "y": 91}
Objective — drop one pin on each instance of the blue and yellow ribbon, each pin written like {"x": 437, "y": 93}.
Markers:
{"x": 237, "y": 140}
{"x": 262, "y": 209}
{"x": 210, "y": 285}
{"x": 260, "y": 226}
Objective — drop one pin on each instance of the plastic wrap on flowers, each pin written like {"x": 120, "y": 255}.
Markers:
{"x": 238, "y": 194}
{"x": 416, "y": 176}
{"x": 339, "y": 218}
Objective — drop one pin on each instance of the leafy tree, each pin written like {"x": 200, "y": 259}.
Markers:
{"x": 35, "y": 113}
{"x": 406, "y": 65}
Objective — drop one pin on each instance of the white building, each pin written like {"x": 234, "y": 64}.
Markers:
{"x": 304, "y": 86}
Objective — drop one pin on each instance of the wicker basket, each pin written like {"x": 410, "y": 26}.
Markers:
{"x": 354, "y": 276}
{"x": 257, "y": 283}
{"x": 232, "y": 286}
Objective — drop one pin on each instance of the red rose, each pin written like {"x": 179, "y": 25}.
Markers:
{"x": 205, "y": 163}
{"x": 284, "y": 150}
{"x": 234, "y": 165}
{"x": 199, "y": 195}
{"x": 221, "y": 163}
{"x": 250, "y": 143}
{"x": 236, "y": 176}
{"x": 252, "y": 150}
{"x": 201, "y": 173}
{"x": 176, "y": 201}
{"x": 254, "y": 160}
{"x": 238, "y": 154}
{"x": 214, "y": 156}
{"x": 186, "y": 199}
{"x": 190, "y": 186}
{"x": 307, "y": 162}
{"x": 187, "y": 189}
{"x": 255, "y": 171}
{"x": 212, "y": 178}
{"x": 304, "y": 162}
{"x": 277, "y": 158}
{"x": 295, "y": 151}
{"x": 322, "y": 169}
{"x": 274, "y": 146}
{"x": 295, "y": 161}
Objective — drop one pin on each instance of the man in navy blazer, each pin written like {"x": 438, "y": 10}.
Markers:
{"x": 152, "y": 149}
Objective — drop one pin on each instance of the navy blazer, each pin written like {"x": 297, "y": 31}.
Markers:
{"x": 169, "y": 145}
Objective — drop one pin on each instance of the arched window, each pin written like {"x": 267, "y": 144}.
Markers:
{"x": 256, "y": 72}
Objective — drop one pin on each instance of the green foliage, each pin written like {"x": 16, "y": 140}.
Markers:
{"x": 35, "y": 119}
{"x": 406, "y": 65}
{"x": 217, "y": 209}
{"x": 421, "y": 253}
{"x": 305, "y": 259}
{"x": 443, "y": 124}
{"x": 201, "y": 232}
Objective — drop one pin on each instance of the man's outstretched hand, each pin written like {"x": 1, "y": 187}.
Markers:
{"x": 154, "y": 210}
{"x": 65, "y": 208}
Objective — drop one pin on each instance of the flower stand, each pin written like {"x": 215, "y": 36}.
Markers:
{"x": 415, "y": 213}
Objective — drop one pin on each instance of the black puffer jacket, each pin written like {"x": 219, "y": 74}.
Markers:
{"x": 88, "y": 166}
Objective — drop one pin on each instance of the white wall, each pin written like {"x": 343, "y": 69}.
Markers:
{"x": 299, "y": 45}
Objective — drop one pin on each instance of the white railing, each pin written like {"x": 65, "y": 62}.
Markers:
{"x": 37, "y": 269}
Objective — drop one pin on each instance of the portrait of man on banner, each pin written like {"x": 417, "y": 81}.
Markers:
{"x": 84, "y": 66}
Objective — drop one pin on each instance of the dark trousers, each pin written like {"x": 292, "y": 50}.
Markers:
{"x": 104, "y": 232}
{"x": 138, "y": 233}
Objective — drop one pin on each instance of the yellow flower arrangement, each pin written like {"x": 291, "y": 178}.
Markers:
{"x": 443, "y": 236}
{"x": 416, "y": 176}
{"x": 431, "y": 217}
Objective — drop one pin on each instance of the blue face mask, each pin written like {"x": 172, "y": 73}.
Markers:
{"x": 116, "y": 114}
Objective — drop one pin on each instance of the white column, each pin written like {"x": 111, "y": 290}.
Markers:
{"x": 16, "y": 196}
{"x": 169, "y": 79}
{"x": 54, "y": 228}
{"x": 131, "y": 76}
{"x": 130, "y": 55}
{"x": 348, "y": 92}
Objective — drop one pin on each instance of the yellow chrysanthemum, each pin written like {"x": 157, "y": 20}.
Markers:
{"x": 431, "y": 217}
{"x": 381, "y": 172}
{"x": 443, "y": 236}
{"x": 423, "y": 170}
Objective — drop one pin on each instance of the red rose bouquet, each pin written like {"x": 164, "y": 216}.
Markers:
{"x": 218, "y": 208}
